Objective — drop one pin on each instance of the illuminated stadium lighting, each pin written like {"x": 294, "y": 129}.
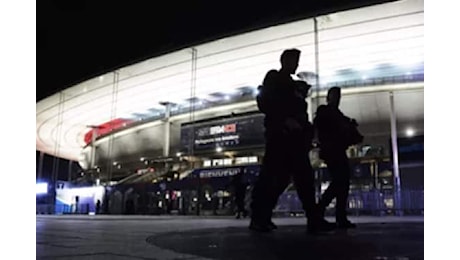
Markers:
{"x": 87, "y": 191}
{"x": 365, "y": 67}
{"x": 328, "y": 73}
{"x": 410, "y": 132}
{"x": 41, "y": 188}
{"x": 144, "y": 111}
{"x": 409, "y": 61}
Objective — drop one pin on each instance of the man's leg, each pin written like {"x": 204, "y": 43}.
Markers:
{"x": 260, "y": 194}
{"x": 279, "y": 184}
{"x": 332, "y": 190}
{"x": 343, "y": 183}
{"x": 327, "y": 197}
{"x": 302, "y": 173}
{"x": 340, "y": 172}
{"x": 266, "y": 189}
{"x": 304, "y": 181}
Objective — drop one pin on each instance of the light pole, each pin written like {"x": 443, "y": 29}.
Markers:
{"x": 40, "y": 165}
{"x": 167, "y": 126}
{"x": 394, "y": 146}
{"x": 93, "y": 144}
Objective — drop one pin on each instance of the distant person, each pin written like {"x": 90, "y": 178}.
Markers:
{"x": 288, "y": 135}
{"x": 239, "y": 190}
{"x": 215, "y": 203}
{"x": 336, "y": 133}
{"x": 106, "y": 204}
{"x": 98, "y": 206}
{"x": 129, "y": 207}
{"x": 77, "y": 202}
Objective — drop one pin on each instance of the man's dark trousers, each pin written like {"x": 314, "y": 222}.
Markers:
{"x": 339, "y": 171}
{"x": 286, "y": 157}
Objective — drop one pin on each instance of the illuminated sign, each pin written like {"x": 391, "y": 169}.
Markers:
{"x": 219, "y": 173}
{"x": 235, "y": 132}
{"x": 216, "y": 139}
{"x": 215, "y": 130}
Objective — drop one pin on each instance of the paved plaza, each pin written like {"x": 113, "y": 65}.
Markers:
{"x": 190, "y": 237}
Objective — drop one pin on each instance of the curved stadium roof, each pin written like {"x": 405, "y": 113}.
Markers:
{"x": 378, "y": 41}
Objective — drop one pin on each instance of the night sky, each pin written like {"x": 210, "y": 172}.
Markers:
{"x": 80, "y": 39}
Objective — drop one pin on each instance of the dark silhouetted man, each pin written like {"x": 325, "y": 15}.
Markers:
{"x": 287, "y": 142}
{"x": 336, "y": 133}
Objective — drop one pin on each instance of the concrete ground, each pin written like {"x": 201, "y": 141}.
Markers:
{"x": 189, "y": 237}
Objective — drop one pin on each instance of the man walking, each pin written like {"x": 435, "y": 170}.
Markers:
{"x": 336, "y": 133}
{"x": 288, "y": 135}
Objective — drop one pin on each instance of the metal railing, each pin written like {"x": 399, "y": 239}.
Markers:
{"x": 375, "y": 202}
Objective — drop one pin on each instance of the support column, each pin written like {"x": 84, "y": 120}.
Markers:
{"x": 394, "y": 146}
{"x": 192, "y": 120}
{"x": 310, "y": 109}
{"x": 56, "y": 155}
{"x": 92, "y": 159}
{"x": 40, "y": 166}
{"x": 69, "y": 176}
{"x": 93, "y": 148}
{"x": 167, "y": 128}
{"x": 113, "y": 113}
{"x": 317, "y": 83}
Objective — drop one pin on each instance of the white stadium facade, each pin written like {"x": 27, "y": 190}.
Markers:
{"x": 195, "y": 107}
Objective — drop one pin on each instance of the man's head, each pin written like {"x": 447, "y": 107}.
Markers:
{"x": 290, "y": 60}
{"x": 333, "y": 96}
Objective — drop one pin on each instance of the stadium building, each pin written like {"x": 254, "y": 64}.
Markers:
{"x": 192, "y": 112}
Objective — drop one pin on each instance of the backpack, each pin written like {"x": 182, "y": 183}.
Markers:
{"x": 262, "y": 94}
